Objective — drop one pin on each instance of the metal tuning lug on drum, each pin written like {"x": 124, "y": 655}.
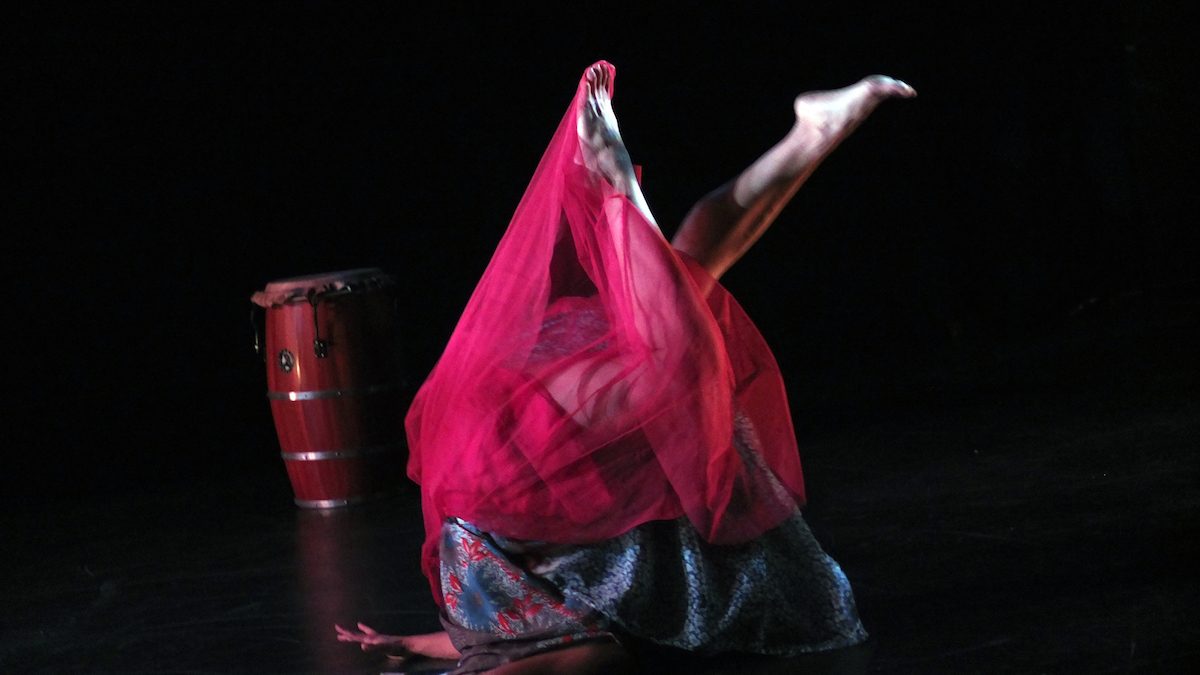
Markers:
{"x": 287, "y": 361}
{"x": 320, "y": 347}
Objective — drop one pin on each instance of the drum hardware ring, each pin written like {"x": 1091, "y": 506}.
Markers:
{"x": 318, "y": 394}
{"x": 348, "y": 453}
{"x": 336, "y": 503}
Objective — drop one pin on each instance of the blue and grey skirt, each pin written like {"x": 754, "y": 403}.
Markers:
{"x": 779, "y": 594}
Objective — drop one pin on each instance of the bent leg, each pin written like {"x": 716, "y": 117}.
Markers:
{"x": 724, "y": 224}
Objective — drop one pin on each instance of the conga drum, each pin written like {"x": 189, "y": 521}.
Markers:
{"x": 334, "y": 382}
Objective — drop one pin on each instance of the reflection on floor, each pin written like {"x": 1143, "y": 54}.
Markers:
{"x": 1043, "y": 524}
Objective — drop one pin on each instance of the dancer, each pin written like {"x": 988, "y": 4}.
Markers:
{"x": 604, "y": 450}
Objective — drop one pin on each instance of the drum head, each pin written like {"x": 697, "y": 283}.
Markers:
{"x": 297, "y": 289}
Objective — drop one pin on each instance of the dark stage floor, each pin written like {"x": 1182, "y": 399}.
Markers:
{"x": 1039, "y": 518}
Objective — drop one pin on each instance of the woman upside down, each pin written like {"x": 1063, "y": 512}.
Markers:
{"x": 605, "y": 450}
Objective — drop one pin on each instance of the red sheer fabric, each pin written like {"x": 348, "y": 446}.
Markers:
{"x": 592, "y": 382}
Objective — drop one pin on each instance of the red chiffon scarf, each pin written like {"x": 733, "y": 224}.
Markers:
{"x": 593, "y": 380}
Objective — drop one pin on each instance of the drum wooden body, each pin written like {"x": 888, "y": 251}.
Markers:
{"x": 334, "y": 382}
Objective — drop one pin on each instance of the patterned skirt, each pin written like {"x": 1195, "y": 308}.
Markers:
{"x": 779, "y": 594}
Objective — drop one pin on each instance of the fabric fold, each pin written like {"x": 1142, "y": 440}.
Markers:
{"x": 593, "y": 381}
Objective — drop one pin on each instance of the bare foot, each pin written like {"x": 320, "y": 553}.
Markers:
{"x": 723, "y": 225}
{"x": 603, "y": 149}
{"x": 431, "y": 645}
{"x": 825, "y": 118}
{"x": 600, "y": 138}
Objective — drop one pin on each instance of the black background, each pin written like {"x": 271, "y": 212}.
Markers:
{"x": 169, "y": 160}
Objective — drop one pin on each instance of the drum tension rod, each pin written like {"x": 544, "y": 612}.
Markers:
{"x": 320, "y": 347}
{"x": 258, "y": 340}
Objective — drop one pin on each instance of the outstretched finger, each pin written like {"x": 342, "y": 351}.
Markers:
{"x": 366, "y": 629}
{"x": 346, "y": 635}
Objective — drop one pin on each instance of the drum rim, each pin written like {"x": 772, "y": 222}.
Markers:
{"x": 311, "y": 286}
{"x": 323, "y": 279}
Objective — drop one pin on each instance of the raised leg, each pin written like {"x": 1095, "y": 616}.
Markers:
{"x": 723, "y": 225}
{"x": 599, "y": 391}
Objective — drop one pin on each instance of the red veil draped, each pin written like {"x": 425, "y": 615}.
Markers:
{"x": 593, "y": 381}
